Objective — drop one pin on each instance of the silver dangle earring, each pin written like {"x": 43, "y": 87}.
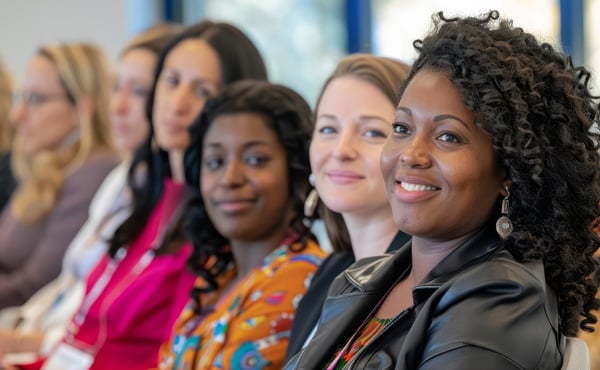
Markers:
{"x": 310, "y": 204}
{"x": 504, "y": 225}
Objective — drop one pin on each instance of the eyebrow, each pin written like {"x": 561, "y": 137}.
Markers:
{"x": 201, "y": 79}
{"x": 437, "y": 118}
{"x": 247, "y": 145}
{"x": 362, "y": 117}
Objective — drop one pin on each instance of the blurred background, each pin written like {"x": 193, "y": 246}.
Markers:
{"x": 301, "y": 40}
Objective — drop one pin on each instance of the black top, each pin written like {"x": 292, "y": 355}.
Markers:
{"x": 7, "y": 180}
{"x": 309, "y": 308}
{"x": 478, "y": 308}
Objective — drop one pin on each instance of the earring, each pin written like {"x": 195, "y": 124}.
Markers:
{"x": 310, "y": 204}
{"x": 504, "y": 225}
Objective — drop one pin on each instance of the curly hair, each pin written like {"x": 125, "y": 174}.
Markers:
{"x": 289, "y": 116}
{"x": 539, "y": 112}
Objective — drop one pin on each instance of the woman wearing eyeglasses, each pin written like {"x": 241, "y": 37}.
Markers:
{"x": 61, "y": 153}
{"x": 7, "y": 183}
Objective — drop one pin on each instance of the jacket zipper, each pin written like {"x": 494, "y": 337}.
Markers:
{"x": 352, "y": 362}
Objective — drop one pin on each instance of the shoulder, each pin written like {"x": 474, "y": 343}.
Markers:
{"x": 497, "y": 305}
{"x": 309, "y": 254}
{"x": 97, "y": 166}
{"x": 92, "y": 172}
{"x": 503, "y": 275}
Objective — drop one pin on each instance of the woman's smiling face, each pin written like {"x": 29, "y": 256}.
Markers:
{"x": 441, "y": 172}
{"x": 244, "y": 178}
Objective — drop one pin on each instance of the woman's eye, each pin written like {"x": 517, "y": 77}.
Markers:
{"x": 449, "y": 138}
{"x": 203, "y": 92}
{"x": 171, "y": 80}
{"x": 256, "y": 160}
{"x": 213, "y": 163}
{"x": 400, "y": 128}
{"x": 327, "y": 130}
{"x": 375, "y": 134}
{"x": 140, "y": 92}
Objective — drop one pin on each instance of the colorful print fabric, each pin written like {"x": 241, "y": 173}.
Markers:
{"x": 249, "y": 326}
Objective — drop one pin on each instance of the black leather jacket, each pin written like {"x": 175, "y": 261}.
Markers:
{"x": 477, "y": 309}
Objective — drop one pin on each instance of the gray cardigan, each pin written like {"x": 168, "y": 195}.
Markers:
{"x": 31, "y": 255}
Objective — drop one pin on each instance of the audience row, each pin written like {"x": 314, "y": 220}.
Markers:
{"x": 169, "y": 223}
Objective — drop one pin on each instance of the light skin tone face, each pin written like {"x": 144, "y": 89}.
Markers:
{"x": 128, "y": 101}
{"x": 43, "y": 115}
{"x": 244, "y": 180}
{"x": 353, "y": 121}
{"x": 440, "y": 169}
{"x": 190, "y": 75}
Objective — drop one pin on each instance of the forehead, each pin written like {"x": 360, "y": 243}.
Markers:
{"x": 137, "y": 61}
{"x": 196, "y": 57}
{"x": 41, "y": 72}
{"x": 240, "y": 128}
{"x": 350, "y": 93}
{"x": 431, "y": 91}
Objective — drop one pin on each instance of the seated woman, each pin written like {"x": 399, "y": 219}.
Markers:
{"x": 62, "y": 152}
{"x": 137, "y": 290}
{"x": 253, "y": 251}
{"x": 42, "y": 320}
{"x": 8, "y": 183}
{"x": 353, "y": 119}
{"x": 493, "y": 168}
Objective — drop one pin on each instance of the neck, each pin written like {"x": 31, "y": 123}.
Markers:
{"x": 250, "y": 254}
{"x": 176, "y": 163}
{"x": 370, "y": 234}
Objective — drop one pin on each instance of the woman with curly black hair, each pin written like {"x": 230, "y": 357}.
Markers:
{"x": 253, "y": 251}
{"x": 493, "y": 168}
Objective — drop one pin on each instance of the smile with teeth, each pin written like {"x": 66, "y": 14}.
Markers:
{"x": 417, "y": 187}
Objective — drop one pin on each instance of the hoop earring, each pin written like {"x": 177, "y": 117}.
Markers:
{"x": 310, "y": 204}
{"x": 504, "y": 225}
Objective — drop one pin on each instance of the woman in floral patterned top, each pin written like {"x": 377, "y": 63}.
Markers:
{"x": 252, "y": 249}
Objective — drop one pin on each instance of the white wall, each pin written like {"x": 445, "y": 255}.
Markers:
{"x": 26, "y": 24}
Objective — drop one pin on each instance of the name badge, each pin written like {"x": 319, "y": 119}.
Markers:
{"x": 67, "y": 357}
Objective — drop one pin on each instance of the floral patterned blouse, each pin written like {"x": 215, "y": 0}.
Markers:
{"x": 249, "y": 326}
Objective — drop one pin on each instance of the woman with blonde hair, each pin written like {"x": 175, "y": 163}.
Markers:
{"x": 7, "y": 184}
{"x": 61, "y": 153}
{"x": 42, "y": 320}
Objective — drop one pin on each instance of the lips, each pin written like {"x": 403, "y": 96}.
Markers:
{"x": 343, "y": 177}
{"x": 410, "y": 189}
{"x": 234, "y": 206}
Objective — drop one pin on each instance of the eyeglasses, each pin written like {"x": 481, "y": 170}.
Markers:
{"x": 35, "y": 99}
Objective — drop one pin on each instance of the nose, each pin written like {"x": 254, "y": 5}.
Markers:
{"x": 416, "y": 153}
{"x": 119, "y": 104}
{"x": 233, "y": 174}
{"x": 344, "y": 149}
{"x": 180, "y": 100}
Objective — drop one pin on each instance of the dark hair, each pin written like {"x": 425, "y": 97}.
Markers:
{"x": 539, "y": 111}
{"x": 289, "y": 116}
{"x": 239, "y": 60}
{"x": 387, "y": 75}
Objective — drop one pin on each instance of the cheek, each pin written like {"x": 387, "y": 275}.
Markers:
{"x": 317, "y": 154}
{"x": 388, "y": 159}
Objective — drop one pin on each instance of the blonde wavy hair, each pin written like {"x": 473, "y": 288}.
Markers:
{"x": 85, "y": 74}
{"x": 6, "y": 127}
